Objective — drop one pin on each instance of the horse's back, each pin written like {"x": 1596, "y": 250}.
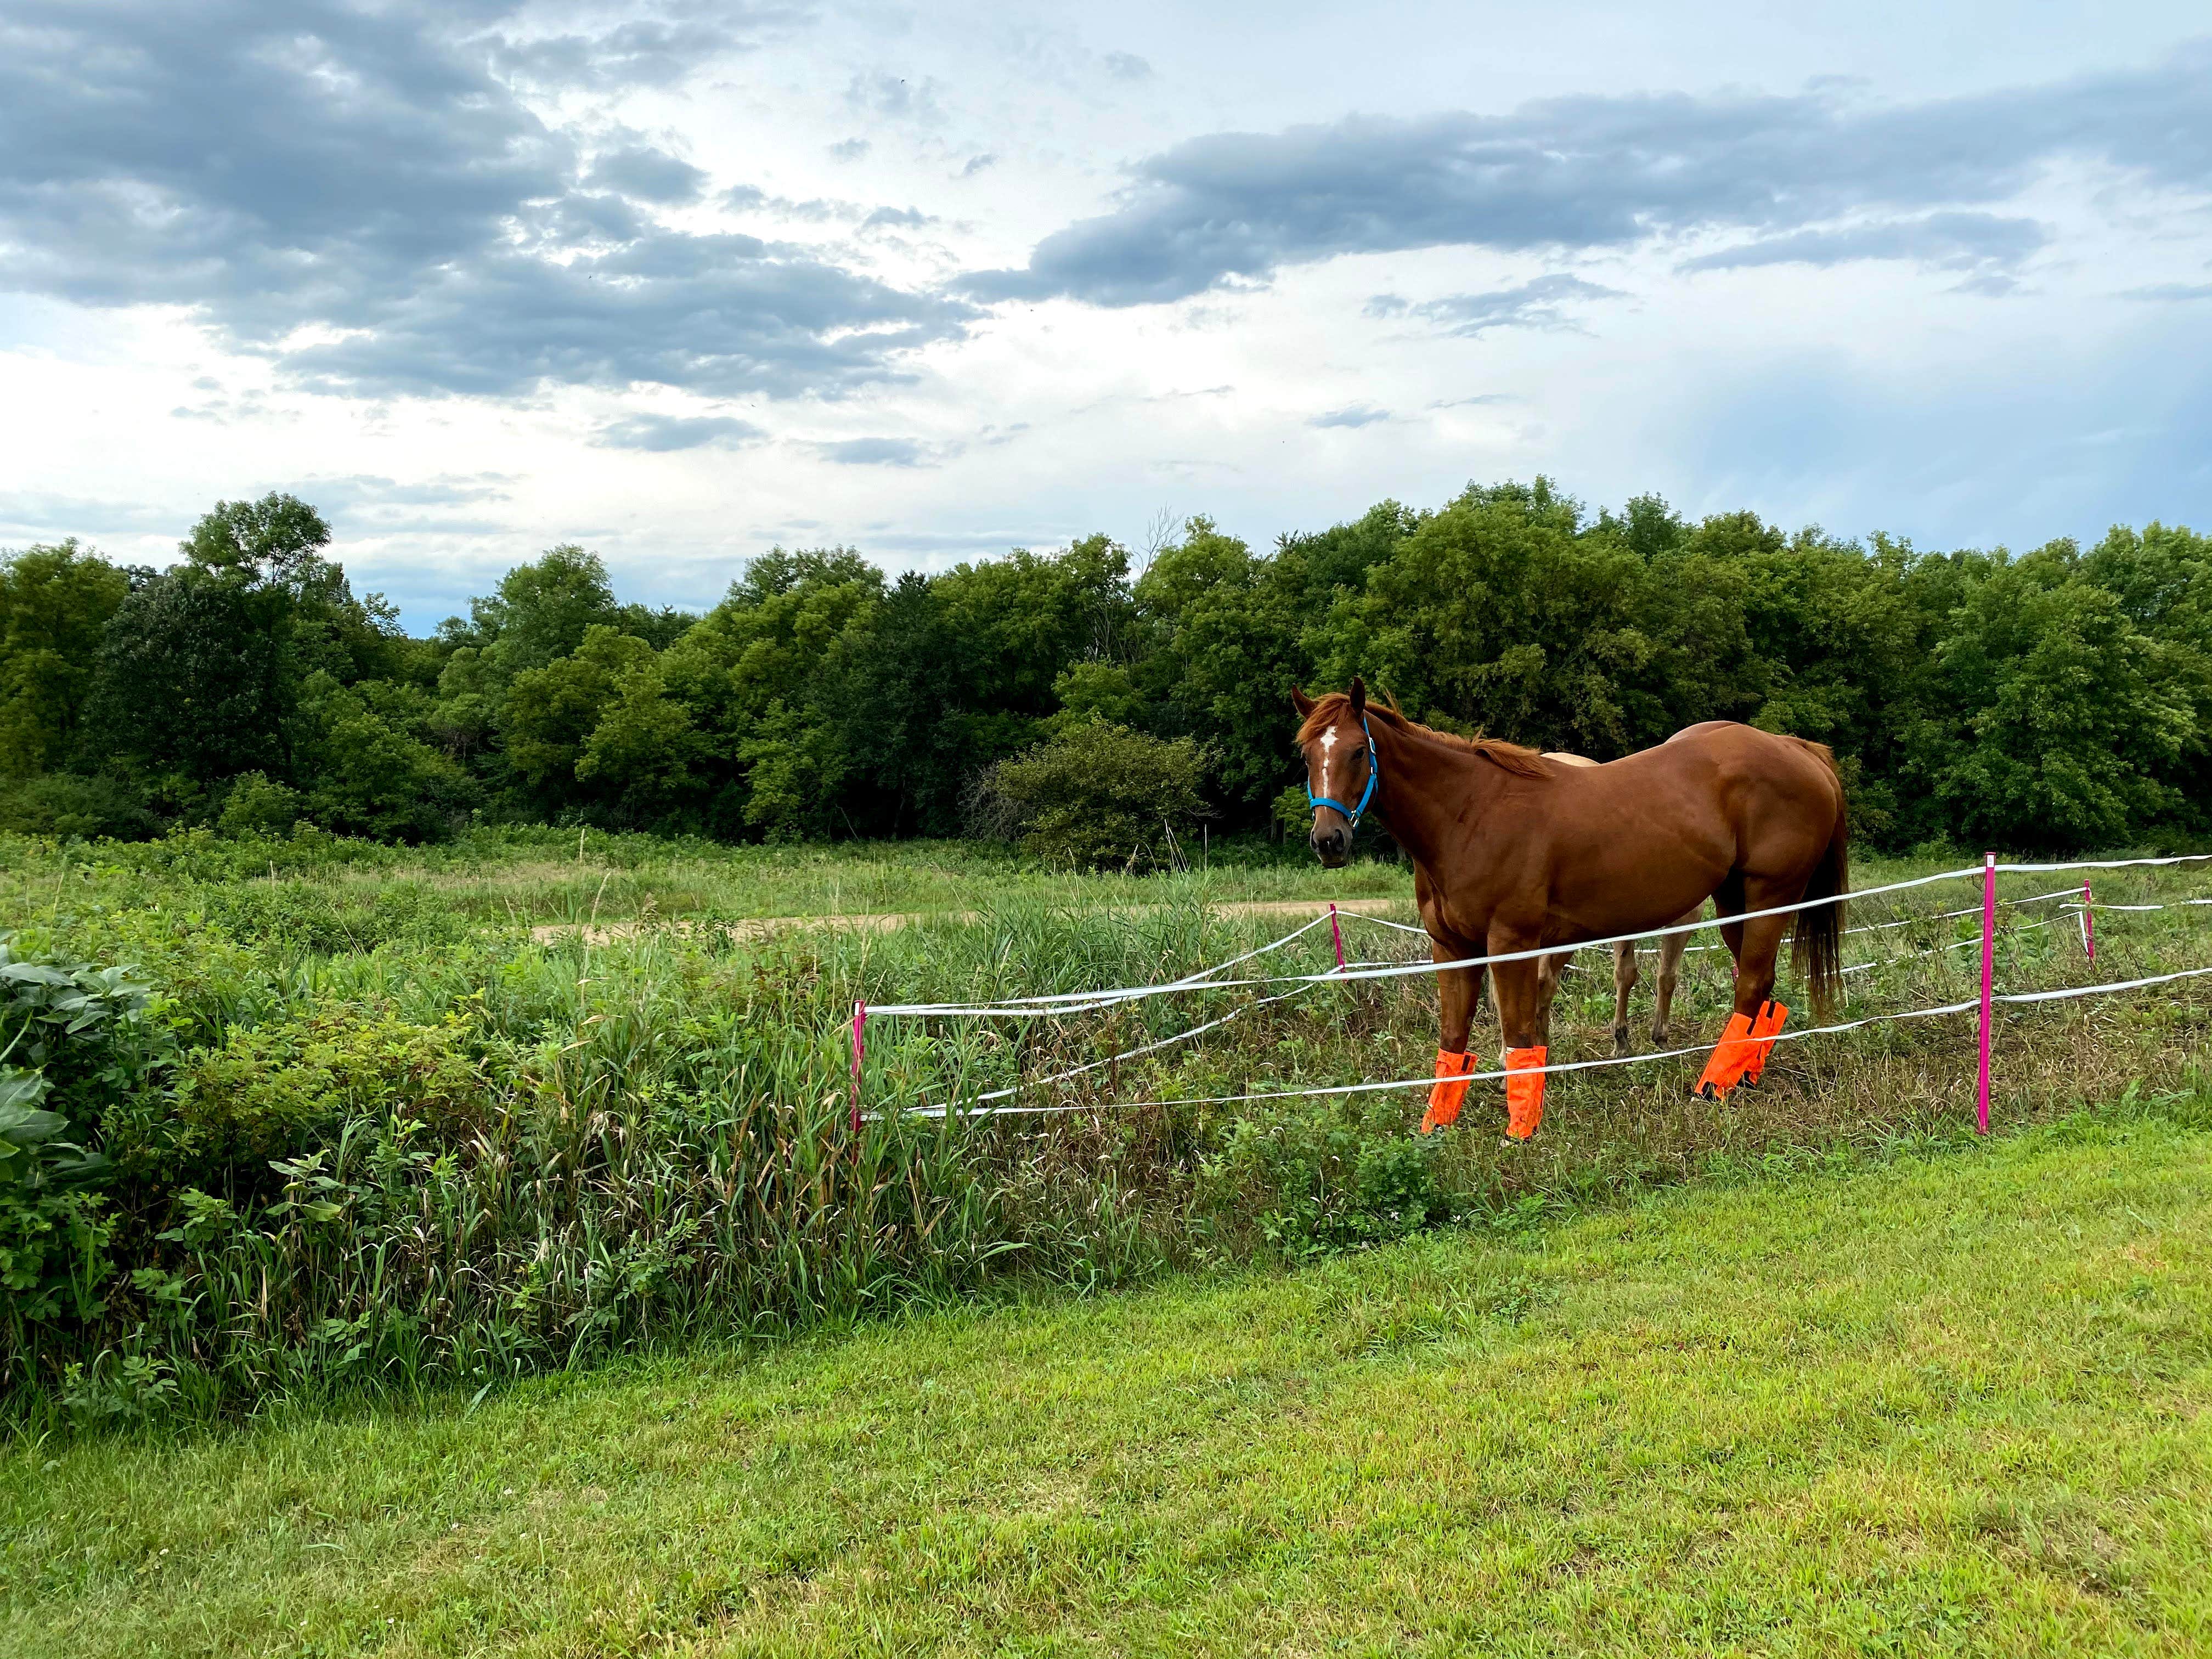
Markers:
{"x": 1747, "y": 752}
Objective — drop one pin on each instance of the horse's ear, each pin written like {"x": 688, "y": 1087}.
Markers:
{"x": 1358, "y": 698}
{"x": 1302, "y": 702}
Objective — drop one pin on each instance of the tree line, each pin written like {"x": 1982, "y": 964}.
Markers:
{"x": 2059, "y": 698}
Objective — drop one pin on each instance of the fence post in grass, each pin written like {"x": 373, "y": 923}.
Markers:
{"x": 2089, "y": 927}
{"x": 1989, "y": 950}
{"x": 1336, "y": 936}
{"x": 859, "y": 1048}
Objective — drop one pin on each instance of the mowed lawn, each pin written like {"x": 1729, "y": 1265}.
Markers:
{"x": 1956, "y": 1404}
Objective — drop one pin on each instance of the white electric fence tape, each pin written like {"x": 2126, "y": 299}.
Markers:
{"x": 1968, "y": 1006}
{"x": 1054, "y": 1004}
{"x": 977, "y": 1106}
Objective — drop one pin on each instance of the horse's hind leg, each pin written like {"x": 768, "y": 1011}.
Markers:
{"x": 1670, "y": 975}
{"x": 1624, "y": 981}
{"x": 1731, "y": 1056}
{"x": 1742, "y": 1049}
{"x": 1548, "y": 971}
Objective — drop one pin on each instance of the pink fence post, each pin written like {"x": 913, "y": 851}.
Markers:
{"x": 859, "y": 1048}
{"x": 1336, "y": 936}
{"x": 2089, "y": 926}
{"x": 1989, "y": 950}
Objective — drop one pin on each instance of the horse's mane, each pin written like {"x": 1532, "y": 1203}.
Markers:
{"x": 1520, "y": 762}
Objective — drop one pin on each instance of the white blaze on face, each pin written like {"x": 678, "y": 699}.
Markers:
{"x": 1328, "y": 743}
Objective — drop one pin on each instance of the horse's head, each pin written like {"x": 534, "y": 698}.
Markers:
{"x": 1340, "y": 775}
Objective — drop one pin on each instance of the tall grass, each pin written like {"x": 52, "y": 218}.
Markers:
{"x": 397, "y": 1138}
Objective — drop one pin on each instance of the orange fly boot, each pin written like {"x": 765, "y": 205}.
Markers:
{"x": 1444, "y": 1097}
{"x": 1764, "y": 1030}
{"x": 1524, "y": 1094}
{"x": 1725, "y": 1068}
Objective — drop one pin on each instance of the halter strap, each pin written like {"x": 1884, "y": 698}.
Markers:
{"x": 1374, "y": 776}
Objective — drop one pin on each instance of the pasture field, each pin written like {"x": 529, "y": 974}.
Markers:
{"x": 1951, "y": 1399}
{"x": 389, "y": 1120}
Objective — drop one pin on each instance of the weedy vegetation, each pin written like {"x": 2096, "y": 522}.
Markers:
{"x": 286, "y": 1119}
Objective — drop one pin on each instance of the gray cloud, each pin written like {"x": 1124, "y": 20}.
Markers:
{"x": 716, "y": 314}
{"x": 34, "y": 515}
{"x": 906, "y": 218}
{"x": 655, "y": 51}
{"x": 199, "y": 157}
{"x": 2170, "y": 292}
{"x": 648, "y": 174}
{"x": 1127, "y": 66}
{"x": 850, "y": 149}
{"x": 893, "y": 97}
{"x": 1532, "y": 304}
{"x": 878, "y": 452}
{"x": 1615, "y": 173}
{"x": 1353, "y": 415}
{"x": 366, "y": 490}
{"x": 662, "y": 433}
{"x": 977, "y": 163}
{"x": 1958, "y": 241}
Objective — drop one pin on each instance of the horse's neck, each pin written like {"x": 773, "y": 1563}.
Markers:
{"x": 1433, "y": 797}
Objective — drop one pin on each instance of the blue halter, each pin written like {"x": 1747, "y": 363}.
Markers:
{"x": 1374, "y": 776}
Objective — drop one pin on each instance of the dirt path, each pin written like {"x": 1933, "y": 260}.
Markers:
{"x": 890, "y": 921}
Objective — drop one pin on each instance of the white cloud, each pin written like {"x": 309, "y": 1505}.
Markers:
{"x": 485, "y": 277}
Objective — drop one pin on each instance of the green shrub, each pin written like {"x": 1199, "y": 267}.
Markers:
{"x": 51, "y": 1229}
{"x": 1325, "y": 1175}
{"x": 257, "y": 805}
{"x": 302, "y": 916}
{"x": 66, "y": 806}
{"x": 85, "y": 1030}
{"x": 272, "y": 1091}
{"x": 1095, "y": 794}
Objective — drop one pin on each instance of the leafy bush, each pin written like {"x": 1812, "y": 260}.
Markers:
{"x": 1326, "y": 1175}
{"x": 257, "y": 805}
{"x": 369, "y": 773}
{"x": 64, "y": 805}
{"x": 84, "y": 1029}
{"x": 51, "y": 1229}
{"x": 64, "y": 1020}
{"x": 1095, "y": 794}
{"x": 303, "y": 916}
{"x": 272, "y": 1090}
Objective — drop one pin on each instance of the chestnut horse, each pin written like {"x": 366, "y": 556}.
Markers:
{"x": 1512, "y": 851}
{"x": 1670, "y": 948}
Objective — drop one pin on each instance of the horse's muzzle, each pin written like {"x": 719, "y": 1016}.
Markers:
{"x": 1333, "y": 846}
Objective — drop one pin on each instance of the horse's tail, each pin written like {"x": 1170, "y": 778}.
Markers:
{"x": 1816, "y": 942}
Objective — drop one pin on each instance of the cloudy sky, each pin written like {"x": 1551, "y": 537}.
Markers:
{"x": 683, "y": 281}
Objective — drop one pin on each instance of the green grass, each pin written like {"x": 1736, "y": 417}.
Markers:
{"x": 1953, "y": 1402}
{"x": 535, "y": 877}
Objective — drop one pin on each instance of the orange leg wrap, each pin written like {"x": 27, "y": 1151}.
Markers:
{"x": 1763, "y": 1029}
{"x": 1725, "y": 1068}
{"x": 1524, "y": 1095}
{"x": 1444, "y": 1097}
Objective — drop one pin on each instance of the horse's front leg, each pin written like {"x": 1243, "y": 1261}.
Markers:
{"x": 1522, "y": 1017}
{"x": 1458, "y": 989}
